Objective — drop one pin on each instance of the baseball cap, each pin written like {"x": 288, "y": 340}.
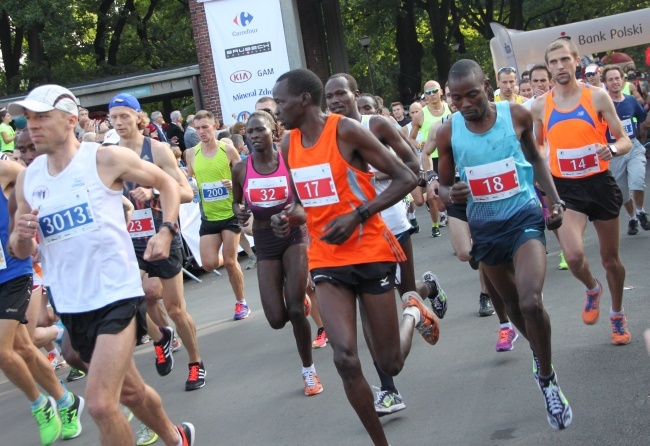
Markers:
{"x": 125, "y": 100}
{"x": 46, "y": 98}
{"x": 592, "y": 68}
{"x": 20, "y": 122}
{"x": 111, "y": 138}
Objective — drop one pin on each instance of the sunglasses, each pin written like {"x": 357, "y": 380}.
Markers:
{"x": 590, "y": 74}
{"x": 432, "y": 91}
{"x": 507, "y": 70}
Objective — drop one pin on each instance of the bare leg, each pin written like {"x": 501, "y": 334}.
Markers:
{"x": 175, "y": 305}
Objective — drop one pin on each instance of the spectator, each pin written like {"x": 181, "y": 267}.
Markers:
{"x": 191, "y": 138}
{"x": 175, "y": 133}
{"x": 240, "y": 145}
{"x": 155, "y": 127}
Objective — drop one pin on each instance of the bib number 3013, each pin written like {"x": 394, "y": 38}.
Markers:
{"x": 493, "y": 181}
{"x": 64, "y": 217}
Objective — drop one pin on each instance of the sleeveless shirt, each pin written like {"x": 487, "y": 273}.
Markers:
{"x": 267, "y": 194}
{"x": 10, "y": 267}
{"x": 216, "y": 200}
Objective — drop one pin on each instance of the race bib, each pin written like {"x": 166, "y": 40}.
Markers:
{"x": 65, "y": 216}
{"x": 141, "y": 224}
{"x": 214, "y": 191}
{"x": 578, "y": 162}
{"x": 493, "y": 181}
{"x": 268, "y": 192}
{"x": 3, "y": 261}
{"x": 627, "y": 125}
{"x": 315, "y": 185}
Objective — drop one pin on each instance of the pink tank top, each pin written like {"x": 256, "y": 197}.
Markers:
{"x": 267, "y": 195}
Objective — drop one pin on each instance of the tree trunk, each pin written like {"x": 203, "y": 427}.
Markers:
{"x": 11, "y": 52}
{"x": 442, "y": 26}
{"x": 114, "y": 47}
{"x": 516, "y": 20}
{"x": 409, "y": 51}
{"x": 99, "y": 45}
{"x": 39, "y": 63}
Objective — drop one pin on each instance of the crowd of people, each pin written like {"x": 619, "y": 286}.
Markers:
{"x": 328, "y": 198}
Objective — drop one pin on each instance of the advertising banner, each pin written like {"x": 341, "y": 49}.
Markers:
{"x": 249, "y": 51}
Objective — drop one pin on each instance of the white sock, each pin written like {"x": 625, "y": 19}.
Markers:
{"x": 243, "y": 302}
{"x": 414, "y": 312}
{"x": 595, "y": 289}
{"x": 411, "y": 215}
{"x": 617, "y": 313}
{"x": 639, "y": 211}
{"x": 633, "y": 218}
{"x": 311, "y": 368}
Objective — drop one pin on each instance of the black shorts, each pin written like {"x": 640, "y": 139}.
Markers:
{"x": 164, "y": 268}
{"x": 404, "y": 237}
{"x": 369, "y": 278}
{"x": 270, "y": 247}
{"x": 84, "y": 328}
{"x": 14, "y": 298}
{"x": 597, "y": 196}
{"x": 458, "y": 211}
{"x": 215, "y": 227}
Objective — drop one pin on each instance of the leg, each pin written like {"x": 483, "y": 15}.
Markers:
{"x": 570, "y": 236}
{"x": 407, "y": 269}
{"x": 33, "y": 309}
{"x": 209, "y": 246}
{"x": 614, "y": 270}
{"x": 235, "y": 274}
{"x": 38, "y": 365}
{"x": 461, "y": 239}
{"x": 175, "y": 305}
{"x": 156, "y": 317}
{"x": 294, "y": 264}
{"x": 70, "y": 355}
{"x": 12, "y": 364}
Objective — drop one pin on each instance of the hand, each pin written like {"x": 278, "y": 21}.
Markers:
{"x": 227, "y": 184}
{"x": 158, "y": 246}
{"x": 175, "y": 139}
{"x": 459, "y": 193}
{"x": 280, "y": 224}
{"x": 338, "y": 230}
{"x": 90, "y": 127}
{"x": 243, "y": 215}
{"x": 432, "y": 190}
{"x": 603, "y": 152}
{"x": 27, "y": 225}
{"x": 142, "y": 193}
{"x": 554, "y": 220}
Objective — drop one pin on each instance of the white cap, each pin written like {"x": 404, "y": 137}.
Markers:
{"x": 592, "y": 68}
{"x": 46, "y": 98}
{"x": 111, "y": 138}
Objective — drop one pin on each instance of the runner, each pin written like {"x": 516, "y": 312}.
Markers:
{"x": 576, "y": 116}
{"x": 506, "y": 81}
{"x": 210, "y": 163}
{"x": 493, "y": 147}
{"x": 161, "y": 279}
{"x": 263, "y": 180}
{"x": 72, "y": 196}
{"x": 328, "y": 157}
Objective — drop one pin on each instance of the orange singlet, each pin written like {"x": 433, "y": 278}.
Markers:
{"x": 328, "y": 187}
{"x": 571, "y": 135}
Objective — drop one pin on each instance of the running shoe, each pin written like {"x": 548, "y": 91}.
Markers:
{"x": 435, "y": 232}
{"x": 163, "y": 348}
{"x": 145, "y": 339}
{"x": 485, "y": 305}
{"x": 312, "y": 383}
{"x": 563, "y": 265}
{"x": 57, "y": 361}
{"x": 428, "y": 323}
{"x": 507, "y": 338}
{"x": 145, "y": 436}
{"x": 415, "y": 225}
{"x": 388, "y": 402}
{"x": 177, "y": 344}
{"x": 186, "y": 431}
{"x": 307, "y": 306}
{"x": 49, "y": 423}
{"x": 558, "y": 410}
{"x": 196, "y": 378}
{"x": 591, "y": 311}
{"x": 70, "y": 418}
{"x": 633, "y": 226}
{"x": 436, "y": 295}
{"x": 321, "y": 339}
{"x": 620, "y": 333}
{"x": 442, "y": 220}
{"x": 643, "y": 219}
{"x": 241, "y": 311}
{"x": 252, "y": 262}
{"x": 75, "y": 374}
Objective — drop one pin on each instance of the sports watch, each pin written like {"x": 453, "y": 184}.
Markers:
{"x": 612, "y": 149}
{"x": 173, "y": 227}
{"x": 364, "y": 213}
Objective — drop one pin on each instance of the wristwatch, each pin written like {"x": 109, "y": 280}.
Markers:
{"x": 613, "y": 150}
{"x": 364, "y": 213}
{"x": 173, "y": 227}
{"x": 561, "y": 203}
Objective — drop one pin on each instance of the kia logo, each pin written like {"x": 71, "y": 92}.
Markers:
{"x": 240, "y": 76}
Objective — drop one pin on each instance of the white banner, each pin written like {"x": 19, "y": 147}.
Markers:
{"x": 249, "y": 51}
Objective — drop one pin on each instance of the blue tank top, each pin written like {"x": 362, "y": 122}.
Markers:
{"x": 13, "y": 267}
{"x": 494, "y": 166}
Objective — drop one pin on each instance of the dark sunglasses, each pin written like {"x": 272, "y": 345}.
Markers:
{"x": 507, "y": 70}
{"x": 432, "y": 91}
{"x": 590, "y": 74}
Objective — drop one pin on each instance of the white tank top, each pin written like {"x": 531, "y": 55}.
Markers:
{"x": 87, "y": 255}
{"x": 395, "y": 216}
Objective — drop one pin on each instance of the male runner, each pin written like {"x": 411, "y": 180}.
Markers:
{"x": 352, "y": 253}
{"x": 506, "y": 81}
{"x": 161, "y": 279}
{"x": 629, "y": 169}
{"x": 210, "y": 163}
{"x": 571, "y": 121}
{"x": 71, "y": 196}
{"x": 594, "y": 78}
{"x": 493, "y": 147}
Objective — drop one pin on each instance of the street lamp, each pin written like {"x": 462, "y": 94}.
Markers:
{"x": 364, "y": 41}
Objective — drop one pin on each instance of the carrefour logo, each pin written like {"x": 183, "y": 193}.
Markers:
{"x": 243, "y": 19}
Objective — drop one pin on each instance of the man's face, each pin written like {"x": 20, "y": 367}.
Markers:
{"x": 160, "y": 120}
{"x": 125, "y": 120}
{"x": 26, "y": 147}
{"x": 267, "y": 106}
{"x": 398, "y": 112}
{"x": 415, "y": 109}
{"x": 593, "y": 78}
{"x": 526, "y": 90}
{"x": 289, "y": 107}
{"x": 49, "y": 129}
{"x": 432, "y": 92}
{"x": 614, "y": 81}
{"x": 339, "y": 98}
{"x": 366, "y": 106}
{"x": 469, "y": 97}
{"x": 540, "y": 82}
{"x": 562, "y": 65}
{"x": 205, "y": 128}
{"x": 631, "y": 75}
{"x": 507, "y": 81}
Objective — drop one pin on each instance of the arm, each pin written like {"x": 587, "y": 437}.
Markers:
{"x": 22, "y": 239}
{"x": 392, "y": 137}
{"x": 293, "y": 214}
{"x": 537, "y": 111}
{"x": 189, "y": 160}
{"x": 6, "y": 138}
{"x": 164, "y": 158}
{"x": 238, "y": 203}
{"x": 604, "y": 105}
{"x": 416, "y": 125}
{"x": 449, "y": 192}
{"x": 128, "y": 209}
{"x": 430, "y": 146}
{"x": 233, "y": 159}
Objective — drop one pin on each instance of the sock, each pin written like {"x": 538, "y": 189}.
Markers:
{"x": 640, "y": 211}
{"x": 594, "y": 290}
{"x": 180, "y": 443}
{"x": 311, "y": 368}
{"x": 414, "y": 312}
{"x": 387, "y": 382}
{"x": 411, "y": 215}
{"x": 320, "y": 330}
{"x": 38, "y": 403}
{"x": 243, "y": 302}
{"x": 633, "y": 218}
{"x": 434, "y": 225}
{"x": 506, "y": 324}
{"x": 616, "y": 313}
{"x": 66, "y": 400}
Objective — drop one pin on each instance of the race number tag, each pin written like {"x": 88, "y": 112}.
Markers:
{"x": 493, "y": 181}
{"x": 268, "y": 192}
{"x": 214, "y": 191}
{"x": 3, "y": 261}
{"x": 66, "y": 216}
{"x": 578, "y": 162}
{"x": 141, "y": 224}
{"x": 315, "y": 185}
{"x": 627, "y": 125}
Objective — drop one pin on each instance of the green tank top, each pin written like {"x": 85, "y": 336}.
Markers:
{"x": 428, "y": 121}
{"x": 216, "y": 200}
{"x": 626, "y": 89}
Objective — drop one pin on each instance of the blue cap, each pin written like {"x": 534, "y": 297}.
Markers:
{"x": 20, "y": 122}
{"x": 125, "y": 100}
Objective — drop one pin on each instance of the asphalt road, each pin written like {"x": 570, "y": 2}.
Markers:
{"x": 459, "y": 392}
